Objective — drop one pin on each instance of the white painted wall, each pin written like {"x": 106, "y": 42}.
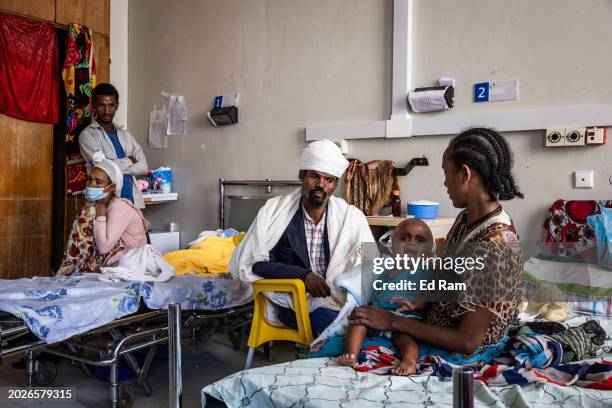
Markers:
{"x": 119, "y": 56}
{"x": 297, "y": 63}
{"x": 293, "y": 62}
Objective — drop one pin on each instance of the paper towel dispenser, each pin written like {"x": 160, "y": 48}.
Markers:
{"x": 223, "y": 116}
{"x": 431, "y": 99}
{"x": 225, "y": 110}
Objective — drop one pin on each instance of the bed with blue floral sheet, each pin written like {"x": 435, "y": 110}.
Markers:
{"x": 57, "y": 308}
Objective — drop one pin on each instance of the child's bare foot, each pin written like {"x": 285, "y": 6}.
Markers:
{"x": 347, "y": 359}
{"x": 404, "y": 368}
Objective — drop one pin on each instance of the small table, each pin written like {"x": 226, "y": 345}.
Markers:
{"x": 158, "y": 198}
{"x": 439, "y": 226}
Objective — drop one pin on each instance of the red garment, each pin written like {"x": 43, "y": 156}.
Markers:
{"x": 29, "y": 69}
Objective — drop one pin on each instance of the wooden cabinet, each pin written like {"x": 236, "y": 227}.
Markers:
{"x": 102, "y": 55}
{"x": 26, "y": 156}
{"x": 25, "y": 197}
{"x": 42, "y": 9}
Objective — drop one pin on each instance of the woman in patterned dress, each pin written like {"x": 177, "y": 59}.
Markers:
{"x": 470, "y": 325}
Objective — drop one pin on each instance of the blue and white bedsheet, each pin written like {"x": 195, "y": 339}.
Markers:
{"x": 323, "y": 383}
{"x": 197, "y": 293}
{"x": 57, "y": 308}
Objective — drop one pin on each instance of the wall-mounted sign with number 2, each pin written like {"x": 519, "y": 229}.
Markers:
{"x": 481, "y": 92}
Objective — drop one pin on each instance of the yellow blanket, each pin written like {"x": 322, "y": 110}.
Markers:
{"x": 206, "y": 258}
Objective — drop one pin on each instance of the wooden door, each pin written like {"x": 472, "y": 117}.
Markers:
{"x": 25, "y": 198}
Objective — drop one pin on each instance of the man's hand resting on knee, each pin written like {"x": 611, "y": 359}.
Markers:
{"x": 316, "y": 286}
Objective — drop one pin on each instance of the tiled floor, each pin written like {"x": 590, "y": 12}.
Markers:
{"x": 203, "y": 363}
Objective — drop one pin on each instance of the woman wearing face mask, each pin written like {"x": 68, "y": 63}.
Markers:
{"x": 117, "y": 220}
{"x": 107, "y": 226}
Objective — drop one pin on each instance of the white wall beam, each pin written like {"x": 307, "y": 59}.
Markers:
{"x": 352, "y": 130}
{"x": 119, "y": 56}
{"x": 402, "y": 57}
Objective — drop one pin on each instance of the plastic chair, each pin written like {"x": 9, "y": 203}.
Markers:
{"x": 262, "y": 331}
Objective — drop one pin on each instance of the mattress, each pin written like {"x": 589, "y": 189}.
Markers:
{"x": 323, "y": 383}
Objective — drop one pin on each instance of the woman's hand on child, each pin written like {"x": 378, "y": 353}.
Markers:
{"x": 407, "y": 305}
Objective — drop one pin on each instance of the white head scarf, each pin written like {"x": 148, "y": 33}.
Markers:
{"x": 111, "y": 169}
{"x": 323, "y": 156}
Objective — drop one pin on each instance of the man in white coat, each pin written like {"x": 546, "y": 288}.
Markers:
{"x": 117, "y": 144}
{"x": 309, "y": 235}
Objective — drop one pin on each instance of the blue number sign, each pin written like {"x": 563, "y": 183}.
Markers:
{"x": 218, "y": 102}
{"x": 481, "y": 92}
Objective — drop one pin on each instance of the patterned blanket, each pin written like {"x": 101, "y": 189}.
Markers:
{"x": 60, "y": 307}
{"x": 323, "y": 383}
{"x": 527, "y": 358}
{"x": 528, "y": 376}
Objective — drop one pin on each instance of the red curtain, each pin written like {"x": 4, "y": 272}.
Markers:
{"x": 29, "y": 69}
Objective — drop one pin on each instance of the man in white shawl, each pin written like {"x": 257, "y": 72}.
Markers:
{"x": 309, "y": 235}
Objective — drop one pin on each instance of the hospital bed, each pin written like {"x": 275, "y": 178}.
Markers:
{"x": 322, "y": 382}
{"x": 209, "y": 305}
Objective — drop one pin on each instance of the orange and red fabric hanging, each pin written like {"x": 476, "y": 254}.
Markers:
{"x": 79, "y": 75}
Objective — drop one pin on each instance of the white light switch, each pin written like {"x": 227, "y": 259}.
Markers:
{"x": 583, "y": 179}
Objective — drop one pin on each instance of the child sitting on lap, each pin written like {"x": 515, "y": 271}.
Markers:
{"x": 413, "y": 238}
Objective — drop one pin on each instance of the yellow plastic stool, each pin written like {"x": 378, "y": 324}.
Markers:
{"x": 262, "y": 331}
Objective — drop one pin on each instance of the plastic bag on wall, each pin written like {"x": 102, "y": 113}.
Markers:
{"x": 158, "y": 119}
{"x": 601, "y": 224}
{"x": 177, "y": 118}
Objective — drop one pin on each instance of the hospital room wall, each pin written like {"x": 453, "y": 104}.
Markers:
{"x": 297, "y": 63}
{"x": 293, "y": 62}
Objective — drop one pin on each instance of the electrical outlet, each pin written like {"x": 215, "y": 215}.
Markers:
{"x": 595, "y": 136}
{"x": 583, "y": 179}
{"x": 574, "y": 136}
{"x": 555, "y": 137}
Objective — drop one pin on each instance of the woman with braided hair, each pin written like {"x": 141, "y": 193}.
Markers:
{"x": 469, "y": 326}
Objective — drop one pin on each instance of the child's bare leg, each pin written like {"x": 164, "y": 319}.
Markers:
{"x": 354, "y": 339}
{"x": 409, "y": 350}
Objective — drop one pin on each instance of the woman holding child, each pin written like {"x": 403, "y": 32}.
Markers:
{"x": 470, "y": 327}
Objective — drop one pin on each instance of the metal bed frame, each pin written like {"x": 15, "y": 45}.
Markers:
{"x": 101, "y": 347}
{"x": 267, "y": 183}
{"x": 106, "y": 345}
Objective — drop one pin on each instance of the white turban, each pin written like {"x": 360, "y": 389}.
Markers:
{"x": 323, "y": 156}
{"x": 111, "y": 169}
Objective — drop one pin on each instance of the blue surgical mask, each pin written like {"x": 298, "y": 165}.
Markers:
{"x": 95, "y": 193}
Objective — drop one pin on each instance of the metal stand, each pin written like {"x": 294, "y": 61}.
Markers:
{"x": 30, "y": 367}
{"x": 114, "y": 384}
{"x": 174, "y": 350}
{"x": 463, "y": 387}
{"x": 249, "y": 359}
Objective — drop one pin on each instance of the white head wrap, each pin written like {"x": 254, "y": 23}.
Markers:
{"x": 323, "y": 156}
{"x": 111, "y": 169}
